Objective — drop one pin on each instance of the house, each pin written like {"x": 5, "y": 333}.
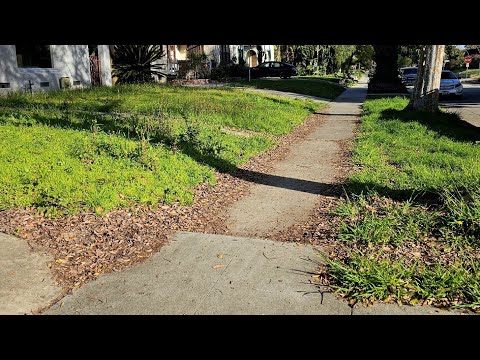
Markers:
{"x": 44, "y": 67}
{"x": 252, "y": 55}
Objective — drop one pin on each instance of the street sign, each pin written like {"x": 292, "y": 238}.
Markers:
{"x": 468, "y": 59}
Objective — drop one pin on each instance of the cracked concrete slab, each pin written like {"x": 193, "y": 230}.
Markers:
{"x": 26, "y": 282}
{"x": 210, "y": 274}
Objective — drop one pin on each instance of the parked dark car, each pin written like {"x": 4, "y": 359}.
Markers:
{"x": 408, "y": 75}
{"x": 273, "y": 68}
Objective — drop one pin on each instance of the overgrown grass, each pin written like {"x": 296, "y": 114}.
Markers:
{"x": 319, "y": 88}
{"x": 411, "y": 223}
{"x": 108, "y": 147}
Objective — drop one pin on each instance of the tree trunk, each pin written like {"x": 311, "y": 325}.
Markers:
{"x": 425, "y": 93}
{"x": 385, "y": 79}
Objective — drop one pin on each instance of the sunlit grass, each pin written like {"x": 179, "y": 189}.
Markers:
{"x": 411, "y": 222}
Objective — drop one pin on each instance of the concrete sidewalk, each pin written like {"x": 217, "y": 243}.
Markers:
{"x": 210, "y": 274}
{"x": 288, "y": 193}
{"x": 216, "y": 275}
{"x": 26, "y": 282}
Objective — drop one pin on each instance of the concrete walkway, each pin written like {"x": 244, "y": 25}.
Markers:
{"x": 215, "y": 275}
{"x": 210, "y": 274}
{"x": 290, "y": 191}
{"x": 26, "y": 282}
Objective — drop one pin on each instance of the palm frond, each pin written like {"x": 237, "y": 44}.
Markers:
{"x": 134, "y": 63}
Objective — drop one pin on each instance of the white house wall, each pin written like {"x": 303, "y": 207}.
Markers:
{"x": 67, "y": 61}
{"x": 268, "y": 49}
{"x": 71, "y": 61}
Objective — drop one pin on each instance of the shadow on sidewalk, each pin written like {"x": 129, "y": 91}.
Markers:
{"x": 311, "y": 187}
{"x": 328, "y": 114}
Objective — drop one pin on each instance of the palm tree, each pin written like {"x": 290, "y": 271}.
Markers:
{"x": 135, "y": 63}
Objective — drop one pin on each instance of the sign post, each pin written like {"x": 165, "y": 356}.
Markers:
{"x": 468, "y": 60}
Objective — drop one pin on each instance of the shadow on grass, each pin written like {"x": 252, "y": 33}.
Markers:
{"x": 424, "y": 197}
{"x": 74, "y": 120}
{"x": 444, "y": 124}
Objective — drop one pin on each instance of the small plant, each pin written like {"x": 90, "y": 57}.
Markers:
{"x": 135, "y": 64}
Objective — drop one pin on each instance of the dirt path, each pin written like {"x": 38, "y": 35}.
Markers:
{"x": 288, "y": 193}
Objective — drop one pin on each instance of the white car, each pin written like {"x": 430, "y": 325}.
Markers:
{"x": 450, "y": 84}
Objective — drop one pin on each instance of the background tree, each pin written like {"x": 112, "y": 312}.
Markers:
{"x": 135, "y": 63}
{"x": 323, "y": 59}
{"x": 474, "y": 52}
{"x": 385, "y": 76}
{"x": 408, "y": 55}
{"x": 455, "y": 57}
{"x": 425, "y": 92}
{"x": 343, "y": 55}
{"x": 364, "y": 56}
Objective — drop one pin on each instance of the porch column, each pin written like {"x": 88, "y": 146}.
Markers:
{"x": 106, "y": 68}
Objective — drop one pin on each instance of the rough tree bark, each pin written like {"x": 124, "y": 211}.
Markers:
{"x": 385, "y": 78}
{"x": 425, "y": 93}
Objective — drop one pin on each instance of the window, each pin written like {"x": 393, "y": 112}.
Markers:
{"x": 276, "y": 65}
{"x": 265, "y": 65}
{"x": 240, "y": 56}
{"x": 448, "y": 75}
{"x": 224, "y": 53}
{"x": 33, "y": 56}
{"x": 44, "y": 84}
{"x": 4, "y": 85}
{"x": 410, "y": 71}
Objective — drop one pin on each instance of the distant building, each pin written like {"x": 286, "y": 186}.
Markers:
{"x": 48, "y": 67}
{"x": 251, "y": 55}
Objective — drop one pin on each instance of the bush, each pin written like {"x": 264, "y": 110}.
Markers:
{"x": 227, "y": 71}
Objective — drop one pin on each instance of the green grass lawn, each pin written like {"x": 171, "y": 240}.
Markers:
{"x": 103, "y": 148}
{"x": 411, "y": 222}
{"x": 331, "y": 78}
{"x": 319, "y": 88}
{"x": 473, "y": 73}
